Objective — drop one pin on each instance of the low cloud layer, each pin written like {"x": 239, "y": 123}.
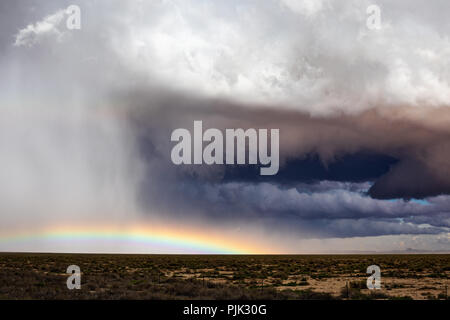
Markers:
{"x": 380, "y": 148}
{"x": 407, "y": 153}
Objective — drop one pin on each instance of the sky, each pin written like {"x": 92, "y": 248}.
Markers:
{"x": 86, "y": 117}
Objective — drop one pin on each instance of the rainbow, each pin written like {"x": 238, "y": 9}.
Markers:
{"x": 146, "y": 239}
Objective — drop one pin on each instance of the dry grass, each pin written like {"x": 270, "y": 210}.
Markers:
{"x": 42, "y": 276}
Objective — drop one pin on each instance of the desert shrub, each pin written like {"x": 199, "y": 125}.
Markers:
{"x": 312, "y": 295}
{"x": 358, "y": 284}
{"x": 400, "y": 298}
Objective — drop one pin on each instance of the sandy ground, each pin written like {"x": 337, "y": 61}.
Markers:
{"x": 416, "y": 288}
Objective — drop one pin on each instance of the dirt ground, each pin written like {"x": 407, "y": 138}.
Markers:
{"x": 43, "y": 276}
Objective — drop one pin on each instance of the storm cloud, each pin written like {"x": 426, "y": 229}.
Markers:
{"x": 364, "y": 115}
{"x": 333, "y": 169}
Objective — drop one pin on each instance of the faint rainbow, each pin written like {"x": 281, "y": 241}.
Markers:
{"x": 189, "y": 242}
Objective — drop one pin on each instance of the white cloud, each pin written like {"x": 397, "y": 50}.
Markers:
{"x": 317, "y": 56}
{"x": 47, "y": 27}
{"x": 305, "y": 7}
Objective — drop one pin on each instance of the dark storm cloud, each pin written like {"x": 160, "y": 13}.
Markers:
{"x": 369, "y": 227}
{"x": 330, "y": 173}
{"x": 405, "y": 158}
{"x": 362, "y": 116}
{"x": 355, "y": 167}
